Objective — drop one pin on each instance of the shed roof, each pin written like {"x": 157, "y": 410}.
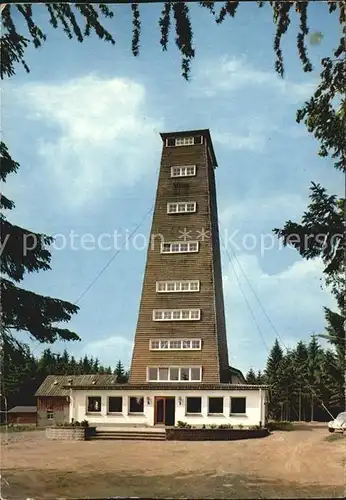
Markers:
{"x": 23, "y": 409}
{"x": 59, "y": 385}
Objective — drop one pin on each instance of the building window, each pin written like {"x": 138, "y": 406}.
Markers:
{"x": 181, "y": 207}
{"x": 215, "y": 405}
{"x": 175, "y": 345}
{"x": 50, "y": 415}
{"x": 163, "y": 374}
{"x": 115, "y": 404}
{"x": 152, "y": 374}
{"x": 195, "y": 374}
{"x": 184, "y": 141}
{"x": 238, "y": 406}
{"x": 177, "y": 286}
{"x": 193, "y": 405}
{"x": 136, "y": 405}
{"x": 94, "y": 404}
{"x": 183, "y": 171}
{"x": 155, "y": 345}
{"x": 170, "y": 141}
{"x": 174, "y": 374}
{"x": 179, "y": 247}
{"x": 176, "y": 314}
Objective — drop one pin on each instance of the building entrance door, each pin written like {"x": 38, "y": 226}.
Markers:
{"x": 165, "y": 410}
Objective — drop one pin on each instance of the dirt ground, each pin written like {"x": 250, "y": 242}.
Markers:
{"x": 283, "y": 465}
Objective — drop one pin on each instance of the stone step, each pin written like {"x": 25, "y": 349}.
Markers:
{"x": 132, "y": 435}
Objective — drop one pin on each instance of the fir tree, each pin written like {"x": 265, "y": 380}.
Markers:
{"x": 25, "y": 252}
{"x": 272, "y": 372}
{"x": 251, "y": 377}
{"x": 120, "y": 372}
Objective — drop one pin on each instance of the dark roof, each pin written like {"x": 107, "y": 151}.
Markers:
{"x": 23, "y": 409}
{"x": 179, "y": 386}
{"x": 59, "y": 385}
{"x": 235, "y": 371}
{"x": 204, "y": 131}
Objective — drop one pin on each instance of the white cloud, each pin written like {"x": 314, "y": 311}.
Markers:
{"x": 292, "y": 299}
{"x": 109, "y": 350}
{"x": 273, "y": 206}
{"x": 105, "y": 138}
{"x": 232, "y": 74}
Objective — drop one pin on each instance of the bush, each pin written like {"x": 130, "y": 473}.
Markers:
{"x": 183, "y": 425}
{"x": 280, "y": 426}
{"x": 225, "y": 426}
{"x": 213, "y": 426}
{"x": 84, "y": 423}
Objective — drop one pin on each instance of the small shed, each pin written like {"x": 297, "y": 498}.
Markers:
{"x": 19, "y": 415}
{"x": 53, "y": 395}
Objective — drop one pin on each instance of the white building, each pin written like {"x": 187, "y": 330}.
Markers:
{"x": 124, "y": 406}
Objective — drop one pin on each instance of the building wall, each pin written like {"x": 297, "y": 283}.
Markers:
{"x": 59, "y": 406}
{"x": 204, "y": 266}
{"x": 255, "y": 407}
{"x": 22, "y": 418}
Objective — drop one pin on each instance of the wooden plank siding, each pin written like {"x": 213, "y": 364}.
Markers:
{"x": 52, "y": 403}
{"x": 205, "y": 265}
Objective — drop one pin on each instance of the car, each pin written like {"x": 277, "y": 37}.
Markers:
{"x": 339, "y": 424}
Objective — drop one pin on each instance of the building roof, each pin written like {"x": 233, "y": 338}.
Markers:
{"x": 59, "y": 385}
{"x": 204, "y": 131}
{"x": 23, "y": 409}
{"x": 172, "y": 386}
{"x": 235, "y": 371}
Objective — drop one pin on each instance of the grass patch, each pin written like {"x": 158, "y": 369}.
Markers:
{"x": 335, "y": 437}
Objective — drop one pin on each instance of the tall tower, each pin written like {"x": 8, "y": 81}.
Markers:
{"x": 181, "y": 331}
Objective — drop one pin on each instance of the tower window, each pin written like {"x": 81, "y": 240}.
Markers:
{"x": 174, "y": 374}
{"x": 184, "y": 141}
{"x": 183, "y": 171}
{"x": 176, "y": 314}
{"x": 170, "y": 141}
{"x": 175, "y": 345}
{"x": 177, "y": 286}
{"x": 181, "y": 207}
{"x": 179, "y": 247}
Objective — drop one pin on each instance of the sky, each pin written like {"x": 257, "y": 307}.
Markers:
{"x": 84, "y": 126}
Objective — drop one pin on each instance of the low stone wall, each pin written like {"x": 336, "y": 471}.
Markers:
{"x": 66, "y": 433}
{"x": 181, "y": 434}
